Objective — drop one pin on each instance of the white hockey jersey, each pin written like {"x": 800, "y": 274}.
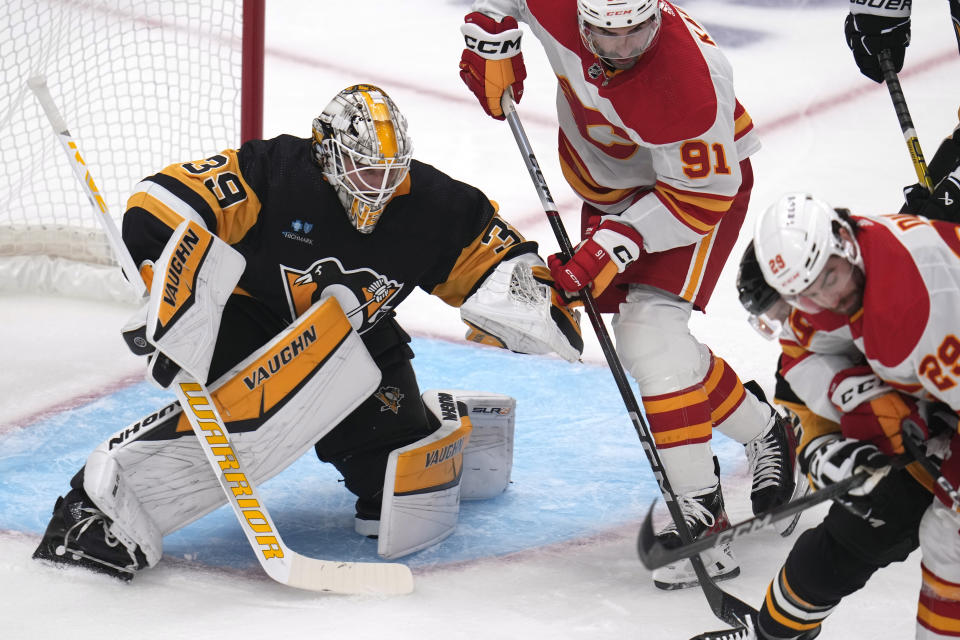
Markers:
{"x": 664, "y": 138}
{"x": 909, "y": 326}
{"x": 816, "y": 347}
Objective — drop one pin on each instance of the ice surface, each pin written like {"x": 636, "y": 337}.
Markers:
{"x": 554, "y": 556}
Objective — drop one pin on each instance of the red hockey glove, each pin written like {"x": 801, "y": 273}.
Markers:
{"x": 492, "y": 60}
{"x": 873, "y": 411}
{"x": 604, "y": 254}
{"x": 592, "y": 224}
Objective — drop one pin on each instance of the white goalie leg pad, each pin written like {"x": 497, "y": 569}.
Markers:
{"x": 513, "y": 309}
{"x": 192, "y": 280}
{"x": 421, "y": 488}
{"x": 104, "y": 482}
{"x": 488, "y": 458}
{"x": 276, "y": 404}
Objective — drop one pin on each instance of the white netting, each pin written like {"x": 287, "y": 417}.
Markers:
{"x": 525, "y": 290}
{"x": 140, "y": 83}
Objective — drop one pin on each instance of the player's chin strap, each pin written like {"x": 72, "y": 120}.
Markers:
{"x": 725, "y": 606}
{"x": 279, "y": 562}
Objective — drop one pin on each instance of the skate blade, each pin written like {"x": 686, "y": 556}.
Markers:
{"x": 694, "y": 582}
{"x": 786, "y": 527}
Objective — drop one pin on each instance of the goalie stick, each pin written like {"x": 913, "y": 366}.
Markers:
{"x": 725, "y": 606}
{"x": 278, "y": 561}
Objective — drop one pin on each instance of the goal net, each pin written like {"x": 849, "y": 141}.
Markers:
{"x": 141, "y": 84}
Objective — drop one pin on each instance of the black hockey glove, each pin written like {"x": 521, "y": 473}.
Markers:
{"x": 839, "y": 458}
{"x": 868, "y": 35}
{"x": 944, "y": 202}
{"x": 944, "y": 165}
{"x": 915, "y": 198}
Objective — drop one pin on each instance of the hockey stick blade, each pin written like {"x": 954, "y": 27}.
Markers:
{"x": 278, "y": 561}
{"x": 351, "y": 578}
{"x": 654, "y": 554}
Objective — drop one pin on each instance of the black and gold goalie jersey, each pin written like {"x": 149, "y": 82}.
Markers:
{"x": 269, "y": 200}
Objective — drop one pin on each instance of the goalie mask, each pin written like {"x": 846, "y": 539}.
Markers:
{"x": 618, "y": 32}
{"x": 807, "y": 252}
{"x": 360, "y": 142}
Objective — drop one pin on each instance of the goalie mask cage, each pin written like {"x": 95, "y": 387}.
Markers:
{"x": 141, "y": 84}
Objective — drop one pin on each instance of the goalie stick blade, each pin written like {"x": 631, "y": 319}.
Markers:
{"x": 350, "y": 578}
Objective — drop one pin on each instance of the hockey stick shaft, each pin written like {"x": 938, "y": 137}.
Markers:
{"x": 277, "y": 560}
{"x": 955, "y": 19}
{"x": 38, "y": 84}
{"x": 726, "y": 607}
{"x": 913, "y": 439}
{"x": 903, "y": 117}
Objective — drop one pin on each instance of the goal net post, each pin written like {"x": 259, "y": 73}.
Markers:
{"x": 141, "y": 84}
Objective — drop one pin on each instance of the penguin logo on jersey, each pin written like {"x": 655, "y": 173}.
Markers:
{"x": 364, "y": 294}
{"x": 390, "y": 397}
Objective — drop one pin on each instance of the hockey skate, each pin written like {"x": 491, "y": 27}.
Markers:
{"x": 772, "y": 460}
{"x": 79, "y": 534}
{"x": 367, "y": 519}
{"x": 749, "y": 632}
{"x": 746, "y": 632}
{"x": 704, "y": 513}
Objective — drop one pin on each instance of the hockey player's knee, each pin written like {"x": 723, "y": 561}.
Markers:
{"x": 940, "y": 541}
{"x": 938, "y": 612}
{"x": 662, "y": 360}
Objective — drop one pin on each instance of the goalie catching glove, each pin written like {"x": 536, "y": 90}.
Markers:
{"x": 516, "y": 308}
{"x": 607, "y": 249}
{"x": 491, "y": 62}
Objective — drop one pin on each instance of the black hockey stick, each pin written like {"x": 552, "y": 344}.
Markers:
{"x": 955, "y": 19}
{"x": 653, "y": 554}
{"x": 913, "y": 439}
{"x": 903, "y": 116}
{"x": 724, "y": 606}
